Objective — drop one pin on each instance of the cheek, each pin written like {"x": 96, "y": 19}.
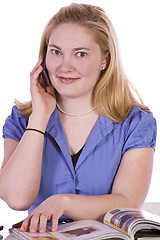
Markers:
{"x": 92, "y": 70}
{"x": 50, "y": 65}
{"x": 84, "y": 69}
{"x": 87, "y": 69}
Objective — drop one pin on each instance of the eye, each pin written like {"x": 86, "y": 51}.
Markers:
{"x": 55, "y": 52}
{"x": 81, "y": 54}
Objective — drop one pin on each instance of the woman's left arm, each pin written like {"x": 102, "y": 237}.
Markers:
{"x": 134, "y": 176}
{"x": 130, "y": 188}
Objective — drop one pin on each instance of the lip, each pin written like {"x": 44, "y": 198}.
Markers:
{"x": 67, "y": 80}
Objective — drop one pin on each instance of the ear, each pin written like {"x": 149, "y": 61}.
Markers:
{"x": 106, "y": 61}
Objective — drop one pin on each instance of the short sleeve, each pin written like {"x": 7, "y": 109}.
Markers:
{"x": 15, "y": 125}
{"x": 141, "y": 130}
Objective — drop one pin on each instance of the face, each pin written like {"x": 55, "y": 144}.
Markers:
{"x": 73, "y": 60}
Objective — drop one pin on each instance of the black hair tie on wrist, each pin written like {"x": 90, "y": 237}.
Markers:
{"x": 33, "y": 129}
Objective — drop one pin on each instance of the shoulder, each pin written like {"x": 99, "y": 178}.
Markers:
{"x": 140, "y": 129}
{"x": 15, "y": 125}
{"x": 15, "y": 112}
{"x": 138, "y": 117}
{"x": 16, "y": 116}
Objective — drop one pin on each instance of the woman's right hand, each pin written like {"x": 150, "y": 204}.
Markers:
{"x": 43, "y": 98}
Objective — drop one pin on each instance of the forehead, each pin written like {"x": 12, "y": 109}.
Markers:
{"x": 72, "y": 33}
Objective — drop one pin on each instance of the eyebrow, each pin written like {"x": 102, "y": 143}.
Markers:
{"x": 53, "y": 45}
{"x": 81, "y": 48}
{"x": 74, "y": 49}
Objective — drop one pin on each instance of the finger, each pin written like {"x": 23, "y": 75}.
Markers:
{"x": 25, "y": 224}
{"x": 54, "y": 224}
{"x": 34, "y": 223}
{"x": 36, "y": 73}
{"x": 41, "y": 82}
{"x": 43, "y": 222}
{"x": 37, "y": 65}
{"x": 51, "y": 90}
{"x": 36, "y": 70}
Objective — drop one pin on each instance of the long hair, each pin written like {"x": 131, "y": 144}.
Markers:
{"x": 113, "y": 93}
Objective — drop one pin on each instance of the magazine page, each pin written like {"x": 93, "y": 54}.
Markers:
{"x": 131, "y": 221}
{"x": 88, "y": 229}
{"x": 27, "y": 235}
{"x": 147, "y": 224}
{"x": 85, "y": 229}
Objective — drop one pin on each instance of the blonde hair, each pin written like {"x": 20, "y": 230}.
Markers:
{"x": 112, "y": 94}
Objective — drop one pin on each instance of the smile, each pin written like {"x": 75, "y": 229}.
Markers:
{"x": 67, "y": 79}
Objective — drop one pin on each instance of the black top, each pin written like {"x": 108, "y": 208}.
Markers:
{"x": 76, "y": 156}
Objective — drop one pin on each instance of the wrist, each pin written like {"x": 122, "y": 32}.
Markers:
{"x": 67, "y": 204}
{"x": 35, "y": 130}
{"x": 63, "y": 200}
{"x": 37, "y": 121}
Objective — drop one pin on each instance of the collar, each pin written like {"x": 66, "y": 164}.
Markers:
{"x": 102, "y": 128}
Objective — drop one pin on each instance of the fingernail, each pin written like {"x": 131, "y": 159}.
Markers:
{"x": 54, "y": 229}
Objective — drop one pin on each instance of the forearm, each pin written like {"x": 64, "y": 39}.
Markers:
{"x": 93, "y": 207}
{"x": 77, "y": 207}
{"x": 129, "y": 189}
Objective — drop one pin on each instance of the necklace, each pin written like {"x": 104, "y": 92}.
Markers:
{"x": 74, "y": 114}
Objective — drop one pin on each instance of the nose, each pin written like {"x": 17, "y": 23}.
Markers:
{"x": 67, "y": 64}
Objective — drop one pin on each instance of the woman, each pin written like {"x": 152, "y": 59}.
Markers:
{"x": 84, "y": 145}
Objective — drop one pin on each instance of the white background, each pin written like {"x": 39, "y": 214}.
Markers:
{"x": 137, "y": 23}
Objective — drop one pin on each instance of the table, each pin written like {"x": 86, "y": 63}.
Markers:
{"x": 5, "y": 231}
{"x": 153, "y": 207}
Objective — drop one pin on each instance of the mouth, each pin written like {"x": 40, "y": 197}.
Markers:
{"x": 67, "y": 79}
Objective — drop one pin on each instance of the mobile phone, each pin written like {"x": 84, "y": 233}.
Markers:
{"x": 1, "y": 227}
{"x": 44, "y": 73}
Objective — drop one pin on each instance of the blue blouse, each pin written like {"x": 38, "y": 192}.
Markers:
{"x": 99, "y": 160}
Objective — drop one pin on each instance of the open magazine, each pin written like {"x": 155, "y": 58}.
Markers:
{"x": 126, "y": 224}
